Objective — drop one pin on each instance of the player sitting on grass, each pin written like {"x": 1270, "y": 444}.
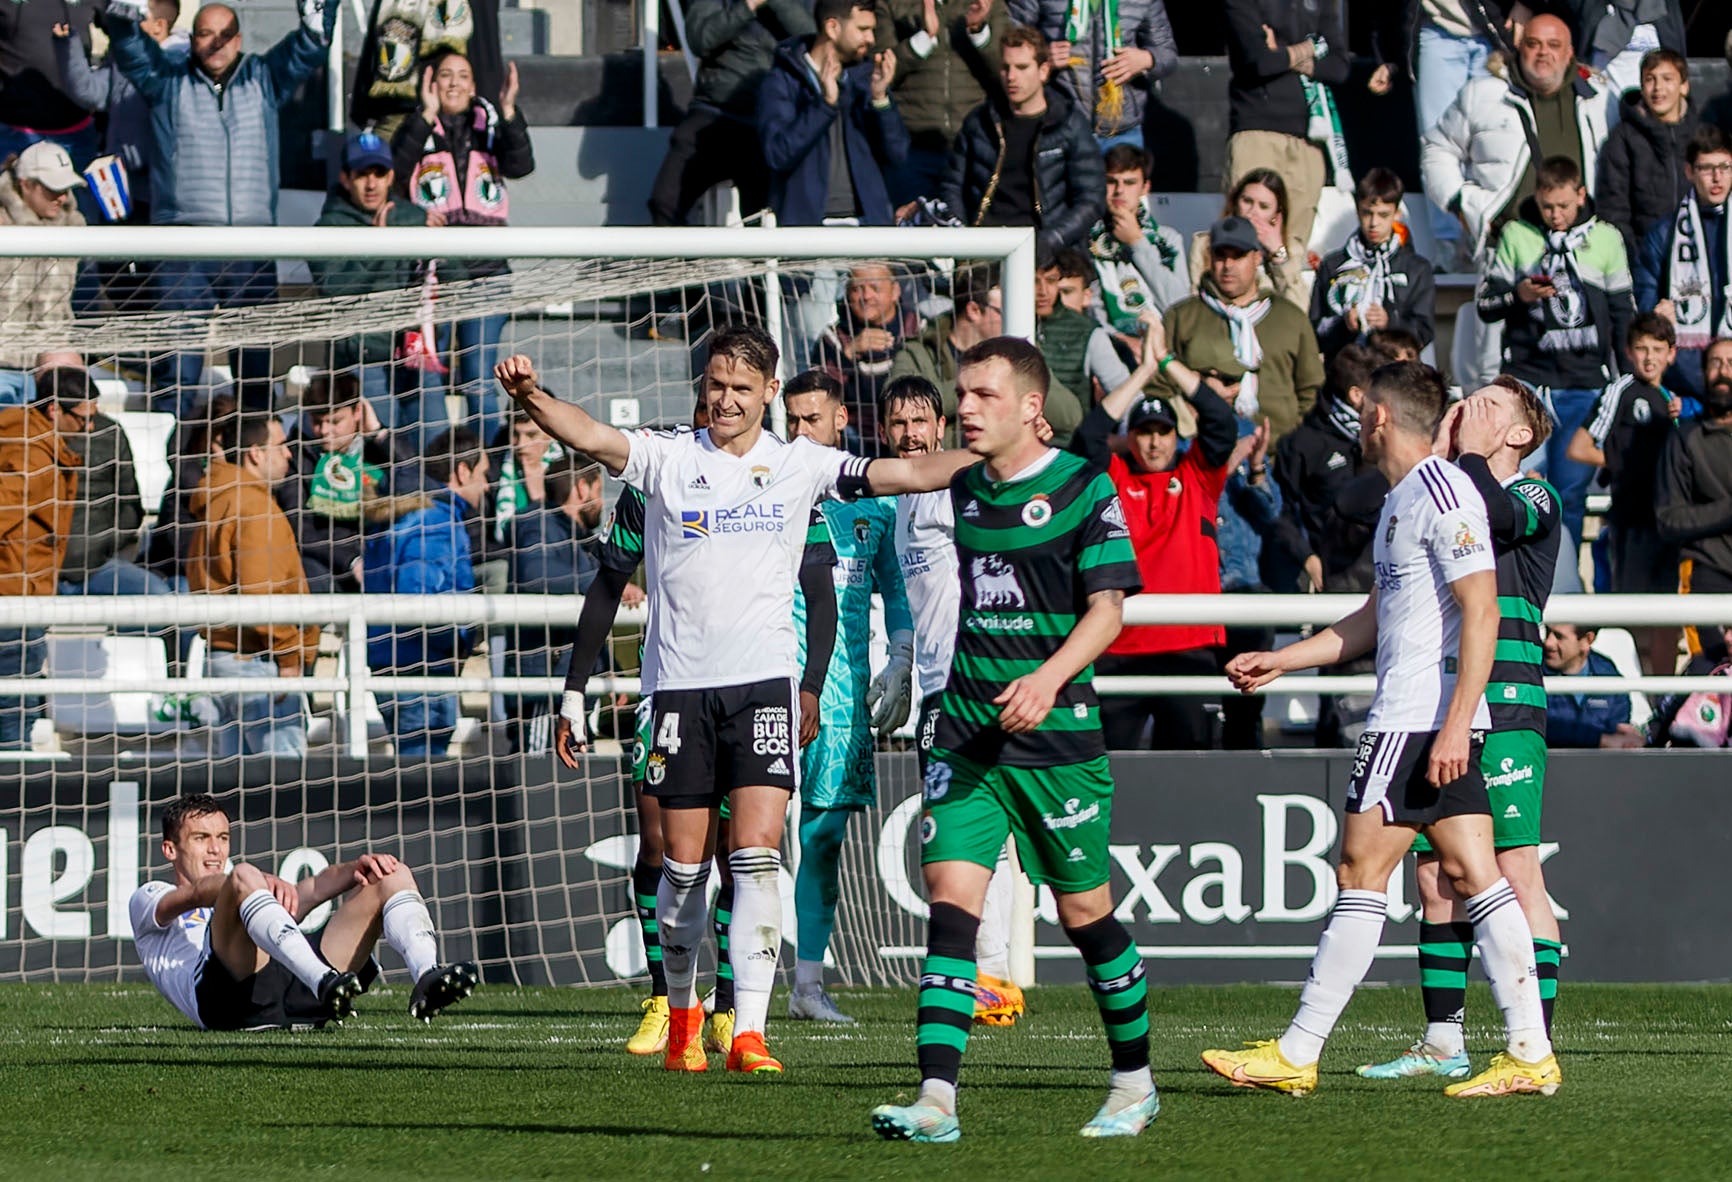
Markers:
{"x": 727, "y": 512}
{"x": 1488, "y": 435}
{"x": 224, "y": 948}
{"x": 1432, "y": 617}
{"x": 1046, "y": 562}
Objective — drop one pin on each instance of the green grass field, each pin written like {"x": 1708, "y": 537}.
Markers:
{"x": 107, "y": 1082}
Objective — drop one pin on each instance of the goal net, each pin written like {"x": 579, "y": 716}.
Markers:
{"x": 329, "y": 715}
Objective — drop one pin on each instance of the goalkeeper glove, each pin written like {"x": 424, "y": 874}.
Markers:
{"x": 891, "y": 694}
{"x": 573, "y": 709}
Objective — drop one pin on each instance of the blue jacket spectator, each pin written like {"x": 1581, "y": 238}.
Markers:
{"x": 829, "y": 138}
{"x": 213, "y": 114}
{"x": 1584, "y": 720}
{"x": 1250, "y": 506}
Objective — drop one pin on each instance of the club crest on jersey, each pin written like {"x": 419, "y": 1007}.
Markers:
{"x": 862, "y": 532}
{"x": 656, "y": 769}
{"x": 1175, "y": 486}
{"x": 1037, "y": 512}
{"x": 694, "y": 523}
{"x": 995, "y": 583}
{"x": 760, "y": 477}
{"x": 1465, "y": 542}
{"x": 1389, "y": 534}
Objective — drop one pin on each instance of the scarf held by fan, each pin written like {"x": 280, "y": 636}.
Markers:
{"x": 1691, "y": 278}
{"x": 1247, "y": 350}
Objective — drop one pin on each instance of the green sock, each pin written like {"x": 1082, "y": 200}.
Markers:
{"x": 1547, "y": 956}
{"x": 724, "y": 965}
{"x": 644, "y": 880}
{"x": 946, "y": 1010}
{"x": 1115, "y": 973}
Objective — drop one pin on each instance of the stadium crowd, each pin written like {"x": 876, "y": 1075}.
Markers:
{"x": 1568, "y": 170}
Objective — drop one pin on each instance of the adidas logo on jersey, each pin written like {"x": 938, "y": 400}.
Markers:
{"x": 779, "y": 768}
{"x": 1336, "y": 460}
{"x": 1512, "y": 813}
{"x": 972, "y": 509}
{"x": 698, "y": 484}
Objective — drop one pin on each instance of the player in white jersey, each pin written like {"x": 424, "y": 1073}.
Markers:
{"x": 726, "y": 512}
{"x": 224, "y": 948}
{"x": 911, "y": 421}
{"x": 1432, "y": 616}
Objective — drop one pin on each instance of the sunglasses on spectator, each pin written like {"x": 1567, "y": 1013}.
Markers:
{"x": 1718, "y": 169}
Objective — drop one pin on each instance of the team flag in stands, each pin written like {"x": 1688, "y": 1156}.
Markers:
{"x": 106, "y": 176}
{"x": 419, "y": 348}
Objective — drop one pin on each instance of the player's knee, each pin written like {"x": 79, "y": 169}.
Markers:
{"x": 1356, "y": 875}
{"x": 400, "y": 879}
{"x": 246, "y": 878}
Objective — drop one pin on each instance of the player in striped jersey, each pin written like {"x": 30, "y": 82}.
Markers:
{"x": 1487, "y": 435}
{"x": 619, "y": 556}
{"x": 1046, "y": 562}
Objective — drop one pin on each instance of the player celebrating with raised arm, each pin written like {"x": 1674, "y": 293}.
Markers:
{"x": 726, "y": 514}
{"x": 1432, "y": 617}
{"x": 911, "y": 421}
{"x": 1046, "y": 562}
{"x": 1487, "y": 435}
{"x": 224, "y": 948}
{"x": 620, "y": 554}
{"x": 838, "y": 776}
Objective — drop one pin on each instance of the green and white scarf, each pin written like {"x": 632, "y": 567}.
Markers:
{"x": 1080, "y": 14}
{"x": 513, "y": 497}
{"x": 1123, "y": 291}
{"x": 1323, "y": 128}
{"x": 338, "y": 484}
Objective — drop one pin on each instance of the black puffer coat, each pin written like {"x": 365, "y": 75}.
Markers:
{"x": 1069, "y": 180}
{"x": 1642, "y": 170}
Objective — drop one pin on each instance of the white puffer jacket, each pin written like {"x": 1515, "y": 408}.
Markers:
{"x": 1478, "y": 151}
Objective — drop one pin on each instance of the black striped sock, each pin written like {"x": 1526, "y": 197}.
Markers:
{"x": 645, "y": 878}
{"x": 1115, "y": 973}
{"x": 1444, "y": 952}
{"x": 724, "y": 966}
{"x": 1548, "y": 955}
{"x": 946, "y": 993}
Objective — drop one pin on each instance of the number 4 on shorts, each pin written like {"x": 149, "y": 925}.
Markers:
{"x": 668, "y": 736}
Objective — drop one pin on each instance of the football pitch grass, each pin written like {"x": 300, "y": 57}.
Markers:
{"x": 107, "y": 1082}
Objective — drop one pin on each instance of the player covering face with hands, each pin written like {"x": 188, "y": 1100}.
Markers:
{"x": 720, "y": 659}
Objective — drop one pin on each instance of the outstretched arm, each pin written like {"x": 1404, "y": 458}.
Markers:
{"x": 566, "y": 422}
{"x": 1352, "y": 636}
{"x": 916, "y": 474}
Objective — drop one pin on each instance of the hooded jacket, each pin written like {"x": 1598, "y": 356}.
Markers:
{"x": 1069, "y": 178}
{"x": 34, "y": 293}
{"x": 244, "y": 546}
{"x": 1642, "y": 169}
{"x": 38, "y": 491}
{"x": 214, "y": 145}
{"x": 1478, "y": 152}
{"x": 735, "y": 46}
{"x": 794, "y": 128}
{"x": 1143, "y": 24}
{"x": 422, "y": 550}
{"x": 327, "y": 507}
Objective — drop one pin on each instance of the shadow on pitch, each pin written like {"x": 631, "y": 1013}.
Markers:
{"x": 636, "y": 1132}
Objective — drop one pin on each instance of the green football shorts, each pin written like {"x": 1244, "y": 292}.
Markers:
{"x": 1059, "y": 816}
{"x": 1514, "y": 765}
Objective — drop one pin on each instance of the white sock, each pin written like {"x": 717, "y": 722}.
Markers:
{"x": 409, "y": 929}
{"x": 755, "y": 936}
{"x": 273, "y": 929}
{"x": 682, "y": 917}
{"x": 1128, "y": 1087}
{"x": 1343, "y": 958}
{"x": 1445, "y": 1039}
{"x": 808, "y": 976}
{"x": 992, "y": 938}
{"x": 1506, "y": 952}
{"x": 939, "y": 1094}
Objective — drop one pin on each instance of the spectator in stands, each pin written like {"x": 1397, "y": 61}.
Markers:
{"x": 947, "y": 63}
{"x": 35, "y": 190}
{"x": 362, "y": 197}
{"x": 104, "y": 88}
{"x": 1261, "y": 348}
{"x": 38, "y": 495}
{"x": 1625, "y": 435}
{"x": 1560, "y": 285}
{"x": 166, "y": 546}
{"x": 932, "y": 354}
{"x": 827, "y": 123}
{"x": 1075, "y": 347}
{"x": 1106, "y": 57}
{"x": 346, "y": 456}
{"x": 1027, "y": 158}
{"x": 453, "y": 158}
{"x": 858, "y": 349}
{"x": 1685, "y": 265}
{"x": 1478, "y": 162}
{"x": 1393, "y": 344}
{"x": 1138, "y": 262}
{"x": 213, "y": 162}
{"x": 552, "y": 553}
{"x": 1250, "y": 506}
{"x": 1584, "y": 720}
{"x": 1376, "y": 280}
{"x": 423, "y": 549}
{"x": 1614, "y": 36}
{"x": 1169, "y": 498}
{"x": 735, "y": 41}
{"x": 1642, "y": 171}
{"x": 1260, "y": 197}
{"x": 1280, "y": 56}
{"x": 403, "y": 38}
{"x": 1693, "y": 502}
{"x": 522, "y": 482}
{"x": 36, "y": 102}
{"x": 247, "y": 548}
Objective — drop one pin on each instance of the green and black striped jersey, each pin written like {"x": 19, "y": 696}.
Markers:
{"x": 1526, "y": 536}
{"x": 1030, "y": 552}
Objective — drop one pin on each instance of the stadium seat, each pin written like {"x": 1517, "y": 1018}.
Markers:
{"x": 1618, "y": 646}
{"x": 89, "y": 653}
{"x": 148, "y": 433}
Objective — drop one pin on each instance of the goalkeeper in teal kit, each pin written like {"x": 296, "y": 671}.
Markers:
{"x": 837, "y": 777}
